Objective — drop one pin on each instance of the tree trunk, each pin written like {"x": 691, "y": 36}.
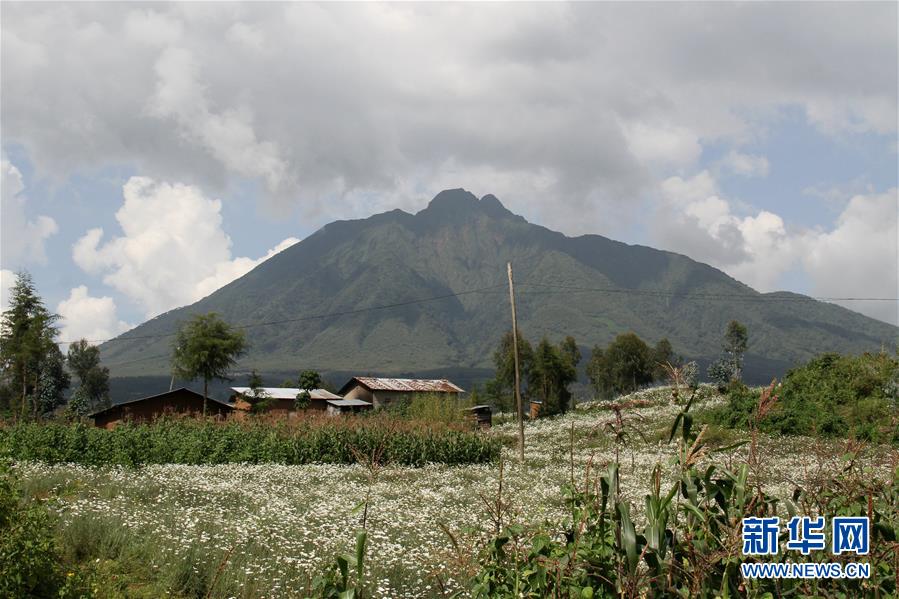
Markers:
{"x": 24, "y": 391}
{"x": 205, "y": 394}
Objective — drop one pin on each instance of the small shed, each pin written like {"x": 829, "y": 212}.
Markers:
{"x": 281, "y": 399}
{"x": 148, "y": 409}
{"x": 483, "y": 415}
{"x": 347, "y": 406}
{"x": 381, "y": 392}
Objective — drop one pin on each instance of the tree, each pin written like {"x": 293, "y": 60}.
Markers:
{"x": 309, "y": 380}
{"x": 206, "y": 347}
{"x": 552, "y": 370}
{"x": 623, "y": 367}
{"x": 599, "y": 373}
{"x": 735, "y": 341}
{"x": 27, "y": 345}
{"x": 504, "y": 362}
{"x": 257, "y": 396}
{"x": 53, "y": 381}
{"x": 571, "y": 355}
{"x": 662, "y": 354}
{"x": 84, "y": 360}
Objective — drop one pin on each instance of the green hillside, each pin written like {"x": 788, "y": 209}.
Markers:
{"x": 589, "y": 286}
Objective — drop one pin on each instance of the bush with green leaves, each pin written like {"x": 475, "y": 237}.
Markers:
{"x": 831, "y": 396}
{"x": 308, "y": 440}
{"x": 30, "y": 564}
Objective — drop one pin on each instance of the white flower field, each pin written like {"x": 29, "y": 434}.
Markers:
{"x": 266, "y": 530}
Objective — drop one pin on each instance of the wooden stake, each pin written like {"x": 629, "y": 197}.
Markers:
{"x": 517, "y": 372}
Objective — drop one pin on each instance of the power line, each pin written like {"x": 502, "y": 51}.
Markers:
{"x": 311, "y": 317}
{"x": 689, "y": 295}
{"x": 559, "y": 289}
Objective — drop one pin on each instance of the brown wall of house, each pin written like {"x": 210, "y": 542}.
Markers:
{"x": 152, "y": 408}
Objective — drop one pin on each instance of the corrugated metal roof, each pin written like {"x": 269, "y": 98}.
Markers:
{"x": 409, "y": 385}
{"x": 288, "y": 392}
{"x": 349, "y": 403}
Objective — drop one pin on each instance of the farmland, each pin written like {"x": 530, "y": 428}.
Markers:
{"x": 242, "y": 530}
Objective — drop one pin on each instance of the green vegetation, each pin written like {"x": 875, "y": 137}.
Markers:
{"x": 247, "y": 531}
{"x": 684, "y": 548}
{"x": 32, "y": 373}
{"x": 431, "y": 407}
{"x": 93, "y": 389}
{"x": 546, "y": 372}
{"x": 30, "y": 560}
{"x": 729, "y": 368}
{"x": 206, "y": 347}
{"x": 831, "y": 396}
{"x": 303, "y": 441}
{"x": 257, "y": 397}
{"x": 628, "y": 364}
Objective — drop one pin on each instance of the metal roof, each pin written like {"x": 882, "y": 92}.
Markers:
{"x": 172, "y": 392}
{"x": 407, "y": 385}
{"x": 349, "y": 403}
{"x": 288, "y": 392}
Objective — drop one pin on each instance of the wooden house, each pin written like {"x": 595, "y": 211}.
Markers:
{"x": 147, "y": 409}
{"x": 381, "y": 392}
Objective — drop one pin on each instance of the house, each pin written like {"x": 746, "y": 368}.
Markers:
{"x": 147, "y": 409}
{"x": 347, "y": 406}
{"x": 380, "y": 392}
{"x": 281, "y": 399}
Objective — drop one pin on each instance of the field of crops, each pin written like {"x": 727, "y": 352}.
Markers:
{"x": 240, "y": 530}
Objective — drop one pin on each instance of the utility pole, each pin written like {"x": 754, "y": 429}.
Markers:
{"x": 517, "y": 371}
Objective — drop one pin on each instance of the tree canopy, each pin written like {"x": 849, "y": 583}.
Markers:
{"x": 546, "y": 371}
{"x": 30, "y": 361}
{"x": 552, "y": 370}
{"x": 84, "y": 360}
{"x": 627, "y": 364}
{"x": 206, "y": 347}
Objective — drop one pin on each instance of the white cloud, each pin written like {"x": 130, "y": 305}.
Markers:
{"x": 172, "y": 250}
{"x": 153, "y": 28}
{"x": 374, "y": 98}
{"x": 696, "y": 220}
{"x": 228, "y": 135}
{"x": 858, "y": 257}
{"x": 225, "y": 272}
{"x": 21, "y": 239}
{"x": 748, "y": 165}
{"x": 669, "y": 146}
{"x": 7, "y": 279}
{"x": 87, "y": 317}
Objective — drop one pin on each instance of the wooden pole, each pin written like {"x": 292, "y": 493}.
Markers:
{"x": 517, "y": 371}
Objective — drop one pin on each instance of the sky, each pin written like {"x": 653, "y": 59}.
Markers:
{"x": 152, "y": 153}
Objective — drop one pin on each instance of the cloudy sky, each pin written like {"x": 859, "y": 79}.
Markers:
{"x": 154, "y": 152}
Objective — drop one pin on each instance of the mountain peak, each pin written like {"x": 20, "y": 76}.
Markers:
{"x": 462, "y": 203}
{"x": 453, "y": 199}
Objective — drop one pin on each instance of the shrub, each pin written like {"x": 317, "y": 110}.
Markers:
{"x": 30, "y": 565}
{"x": 832, "y": 396}
{"x": 195, "y": 441}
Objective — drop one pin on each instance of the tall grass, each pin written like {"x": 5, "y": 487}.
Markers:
{"x": 305, "y": 441}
